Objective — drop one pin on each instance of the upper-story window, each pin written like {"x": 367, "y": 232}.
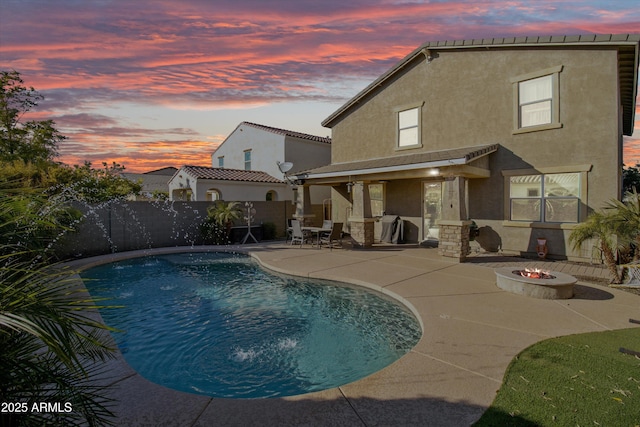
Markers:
{"x": 409, "y": 128}
{"x": 536, "y": 101}
{"x": 221, "y": 162}
{"x": 247, "y": 160}
{"x": 535, "y": 97}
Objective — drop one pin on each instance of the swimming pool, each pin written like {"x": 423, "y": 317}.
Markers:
{"x": 217, "y": 324}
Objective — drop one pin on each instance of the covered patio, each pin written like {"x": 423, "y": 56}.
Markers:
{"x": 428, "y": 190}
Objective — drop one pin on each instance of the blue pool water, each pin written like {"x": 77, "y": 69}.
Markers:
{"x": 217, "y": 324}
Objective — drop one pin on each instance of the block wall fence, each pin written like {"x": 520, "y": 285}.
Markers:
{"x": 132, "y": 225}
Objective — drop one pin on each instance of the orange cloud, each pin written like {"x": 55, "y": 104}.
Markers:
{"x": 198, "y": 55}
{"x": 142, "y": 156}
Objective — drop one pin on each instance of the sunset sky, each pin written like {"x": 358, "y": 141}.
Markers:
{"x": 155, "y": 83}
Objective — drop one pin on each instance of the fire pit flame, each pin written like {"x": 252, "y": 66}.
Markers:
{"x": 534, "y": 273}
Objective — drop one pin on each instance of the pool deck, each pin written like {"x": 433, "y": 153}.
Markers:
{"x": 472, "y": 331}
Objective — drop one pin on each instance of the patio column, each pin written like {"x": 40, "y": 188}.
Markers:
{"x": 303, "y": 205}
{"x": 454, "y": 226}
{"x": 360, "y": 219}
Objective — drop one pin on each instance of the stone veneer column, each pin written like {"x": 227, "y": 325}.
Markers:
{"x": 454, "y": 239}
{"x": 362, "y": 231}
{"x": 360, "y": 220}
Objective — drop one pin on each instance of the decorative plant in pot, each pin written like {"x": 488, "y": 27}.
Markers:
{"x": 220, "y": 218}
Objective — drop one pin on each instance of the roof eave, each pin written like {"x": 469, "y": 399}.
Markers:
{"x": 385, "y": 169}
{"x": 460, "y": 160}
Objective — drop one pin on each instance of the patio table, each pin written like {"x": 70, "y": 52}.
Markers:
{"x": 317, "y": 231}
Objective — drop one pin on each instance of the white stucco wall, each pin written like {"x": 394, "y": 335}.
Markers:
{"x": 267, "y": 148}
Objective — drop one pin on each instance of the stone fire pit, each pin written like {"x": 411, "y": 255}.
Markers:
{"x": 535, "y": 283}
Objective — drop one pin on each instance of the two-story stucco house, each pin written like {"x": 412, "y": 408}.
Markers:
{"x": 245, "y": 166}
{"x": 258, "y": 147}
{"x": 521, "y": 135}
{"x": 154, "y": 183}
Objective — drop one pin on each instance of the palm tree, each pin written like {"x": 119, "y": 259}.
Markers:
{"x": 626, "y": 215}
{"x": 600, "y": 226}
{"x": 220, "y": 218}
{"x": 617, "y": 228}
{"x": 51, "y": 347}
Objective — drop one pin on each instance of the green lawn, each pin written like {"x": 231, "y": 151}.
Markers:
{"x": 577, "y": 380}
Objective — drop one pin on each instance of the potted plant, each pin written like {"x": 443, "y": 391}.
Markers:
{"x": 220, "y": 219}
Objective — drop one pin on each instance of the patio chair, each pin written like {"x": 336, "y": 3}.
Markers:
{"x": 334, "y": 236}
{"x": 297, "y": 235}
{"x": 328, "y": 224}
{"x": 289, "y": 231}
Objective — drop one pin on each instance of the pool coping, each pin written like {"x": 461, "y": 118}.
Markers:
{"x": 471, "y": 332}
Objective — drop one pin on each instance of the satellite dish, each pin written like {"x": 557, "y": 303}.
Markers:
{"x": 285, "y": 166}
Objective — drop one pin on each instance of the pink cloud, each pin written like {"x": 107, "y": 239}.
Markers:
{"x": 200, "y": 54}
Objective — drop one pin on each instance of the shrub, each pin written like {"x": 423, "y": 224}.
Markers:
{"x": 50, "y": 347}
{"x": 617, "y": 230}
{"x": 268, "y": 231}
{"x": 216, "y": 228}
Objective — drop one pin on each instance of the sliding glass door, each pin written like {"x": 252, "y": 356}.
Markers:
{"x": 432, "y": 210}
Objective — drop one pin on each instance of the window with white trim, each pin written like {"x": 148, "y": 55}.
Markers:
{"x": 221, "y": 162}
{"x": 409, "y": 127}
{"x": 536, "y": 100}
{"x": 552, "y": 198}
{"x": 247, "y": 160}
{"x": 535, "y": 97}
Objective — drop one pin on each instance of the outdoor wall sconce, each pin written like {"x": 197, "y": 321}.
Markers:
{"x": 349, "y": 185}
{"x": 434, "y": 172}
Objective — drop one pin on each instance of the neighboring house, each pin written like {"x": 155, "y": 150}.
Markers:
{"x": 260, "y": 148}
{"x": 521, "y": 135}
{"x": 154, "y": 183}
{"x": 199, "y": 183}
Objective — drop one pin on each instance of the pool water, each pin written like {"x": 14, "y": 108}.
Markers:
{"x": 217, "y": 324}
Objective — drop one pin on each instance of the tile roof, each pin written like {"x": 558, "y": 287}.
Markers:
{"x": 167, "y": 171}
{"x": 150, "y": 182}
{"x": 406, "y": 162}
{"x": 628, "y": 46}
{"x": 223, "y": 174}
{"x": 290, "y": 133}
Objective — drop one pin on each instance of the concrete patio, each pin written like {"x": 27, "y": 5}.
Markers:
{"x": 472, "y": 331}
